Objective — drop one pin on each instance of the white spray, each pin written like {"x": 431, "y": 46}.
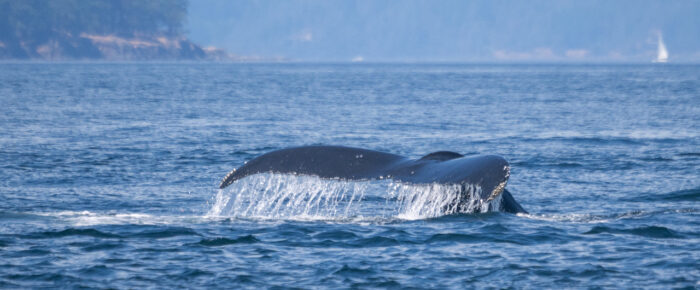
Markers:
{"x": 281, "y": 196}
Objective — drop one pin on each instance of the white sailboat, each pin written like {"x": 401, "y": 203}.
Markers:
{"x": 662, "y": 53}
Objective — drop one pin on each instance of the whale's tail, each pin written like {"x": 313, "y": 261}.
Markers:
{"x": 322, "y": 161}
{"x": 509, "y": 205}
{"x": 488, "y": 174}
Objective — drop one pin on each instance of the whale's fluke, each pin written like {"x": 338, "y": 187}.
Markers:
{"x": 488, "y": 173}
{"x": 323, "y": 161}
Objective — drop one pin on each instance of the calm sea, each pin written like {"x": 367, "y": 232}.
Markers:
{"x": 110, "y": 174}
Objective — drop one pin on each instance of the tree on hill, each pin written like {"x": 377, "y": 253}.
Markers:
{"x": 28, "y": 24}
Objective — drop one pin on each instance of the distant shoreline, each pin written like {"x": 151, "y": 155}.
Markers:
{"x": 332, "y": 62}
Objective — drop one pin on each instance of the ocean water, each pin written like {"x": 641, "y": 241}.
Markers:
{"x": 110, "y": 174}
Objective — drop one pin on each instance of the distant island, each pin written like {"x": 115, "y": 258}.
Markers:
{"x": 98, "y": 29}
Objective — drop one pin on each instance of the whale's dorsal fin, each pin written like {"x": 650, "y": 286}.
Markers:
{"x": 442, "y": 156}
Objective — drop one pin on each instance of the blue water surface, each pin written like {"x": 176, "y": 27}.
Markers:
{"x": 110, "y": 174}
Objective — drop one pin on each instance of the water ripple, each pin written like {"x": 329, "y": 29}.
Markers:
{"x": 249, "y": 239}
{"x": 648, "y": 231}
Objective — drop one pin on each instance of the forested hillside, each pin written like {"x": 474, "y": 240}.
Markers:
{"x": 95, "y": 29}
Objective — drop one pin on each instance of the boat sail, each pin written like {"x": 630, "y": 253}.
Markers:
{"x": 662, "y": 53}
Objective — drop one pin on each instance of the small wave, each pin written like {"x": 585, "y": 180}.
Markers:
{"x": 625, "y": 135}
{"x": 30, "y": 253}
{"x": 538, "y": 163}
{"x": 72, "y": 232}
{"x": 647, "y": 231}
{"x": 683, "y": 195}
{"x": 376, "y": 241}
{"x": 692, "y": 194}
{"x": 215, "y": 242}
{"x": 116, "y": 261}
{"x": 499, "y": 238}
{"x": 96, "y": 271}
{"x": 102, "y": 247}
{"x": 656, "y": 159}
{"x": 189, "y": 274}
{"x": 572, "y": 217}
{"x": 335, "y": 235}
{"x": 347, "y": 271}
{"x": 602, "y": 218}
{"x": 460, "y": 238}
{"x": 8, "y": 215}
{"x": 615, "y": 136}
{"x": 44, "y": 277}
{"x": 166, "y": 233}
{"x": 89, "y": 218}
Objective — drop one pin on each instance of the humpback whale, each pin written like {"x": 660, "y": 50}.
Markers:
{"x": 487, "y": 173}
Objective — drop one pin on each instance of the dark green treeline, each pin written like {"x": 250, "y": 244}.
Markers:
{"x": 25, "y": 24}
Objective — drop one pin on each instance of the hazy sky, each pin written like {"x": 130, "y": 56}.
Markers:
{"x": 442, "y": 30}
